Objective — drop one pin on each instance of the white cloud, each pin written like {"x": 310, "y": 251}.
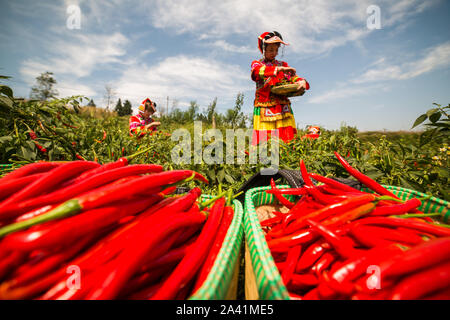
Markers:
{"x": 340, "y": 93}
{"x": 312, "y": 27}
{"x": 77, "y": 56}
{"x": 381, "y": 70}
{"x": 68, "y": 88}
{"x": 432, "y": 59}
{"x": 184, "y": 77}
{"x": 226, "y": 46}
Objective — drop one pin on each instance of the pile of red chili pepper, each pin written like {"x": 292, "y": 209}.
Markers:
{"x": 81, "y": 230}
{"x": 337, "y": 242}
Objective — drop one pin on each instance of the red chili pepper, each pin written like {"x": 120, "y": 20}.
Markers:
{"x": 70, "y": 229}
{"x": 291, "y": 191}
{"x": 80, "y": 157}
{"x": 322, "y": 198}
{"x": 311, "y": 255}
{"x": 122, "y": 162}
{"x": 30, "y": 169}
{"x": 342, "y": 246}
{"x": 12, "y": 186}
{"x": 35, "y": 213}
{"x": 105, "y": 195}
{"x": 367, "y": 239}
{"x": 33, "y": 135}
{"x": 280, "y": 197}
{"x": 305, "y": 175}
{"x": 291, "y": 262}
{"x": 353, "y": 268}
{"x": 192, "y": 261}
{"x": 439, "y": 295}
{"x": 407, "y": 223}
{"x": 228, "y": 215}
{"x": 408, "y": 206}
{"x": 284, "y": 243}
{"x": 304, "y": 279}
{"x": 41, "y": 148}
{"x": 129, "y": 260}
{"x": 87, "y": 184}
{"x": 422, "y": 283}
{"x": 33, "y": 289}
{"x": 329, "y": 210}
{"x": 422, "y": 256}
{"x": 104, "y": 135}
{"x": 333, "y": 183}
{"x": 47, "y": 265}
{"x": 407, "y": 238}
{"x": 53, "y": 178}
{"x": 368, "y": 182}
{"x": 323, "y": 263}
{"x": 8, "y": 264}
{"x": 350, "y": 215}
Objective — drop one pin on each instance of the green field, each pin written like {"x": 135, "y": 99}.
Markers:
{"x": 66, "y": 131}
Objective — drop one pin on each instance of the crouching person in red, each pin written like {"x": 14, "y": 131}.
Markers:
{"x": 143, "y": 123}
{"x": 313, "y": 133}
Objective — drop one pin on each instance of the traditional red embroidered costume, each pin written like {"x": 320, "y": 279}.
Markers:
{"x": 138, "y": 123}
{"x": 271, "y": 111}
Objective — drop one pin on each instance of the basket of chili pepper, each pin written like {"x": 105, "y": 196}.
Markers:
{"x": 116, "y": 230}
{"x": 221, "y": 277}
{"x": 337, "y": 242}
{"x": 288, "y": 90}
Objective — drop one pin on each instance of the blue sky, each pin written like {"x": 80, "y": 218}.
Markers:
{"x": 380, "y": 79}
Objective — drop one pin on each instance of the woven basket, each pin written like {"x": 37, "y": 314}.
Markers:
{"x": 5, "y": 168}
{"x": 263, "y": 280}
{"x": 288, "y": 90}
{"x": 221, "y": 283}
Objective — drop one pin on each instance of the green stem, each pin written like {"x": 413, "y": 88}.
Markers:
{"x": 388, "y": 198}
{"x": 441, "y": 225}
{"x": 66, "y": 209}
{"x": 427, "y": 197}
{"x": 208, "y": 202}
{"x": 238, "y": 194}
{"x": 134, "y": 155}
{"x": 229, "y": 197}
{"x": 417, "y": 215}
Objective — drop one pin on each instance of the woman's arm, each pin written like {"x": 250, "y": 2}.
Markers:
{"x": 261, "y": 72}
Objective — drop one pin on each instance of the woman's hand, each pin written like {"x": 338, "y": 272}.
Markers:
{"x": 153, "y": 124}
{"x": 290, "y": 70}
{"x": 301, "y": 86}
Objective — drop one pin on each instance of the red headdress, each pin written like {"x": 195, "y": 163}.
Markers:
{"x": 269, "y": 37}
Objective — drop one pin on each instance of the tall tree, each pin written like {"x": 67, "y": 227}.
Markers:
{"x": 211, "y": 113}
{"x": 91, "y": 103}
{"x": 119, "y": 107}
{"x": 235, "y": 117}
{"x": 44, "y": 88}
{"x": 127, "y": 108}
{"x": 191, "y": 112}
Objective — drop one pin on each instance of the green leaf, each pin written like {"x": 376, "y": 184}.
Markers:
{"x": 419, "y": 120}
{"x": 5, "y": 101}
{"x": 5, "y": 139}
{"x": 431, "y": 111}
{"x": 443, "y": 172}
{"x": 435, "y": 117}
{"x": 221, "y": 175}
{"x": 6, "y": 91}
{"x": 229, "y": 178}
